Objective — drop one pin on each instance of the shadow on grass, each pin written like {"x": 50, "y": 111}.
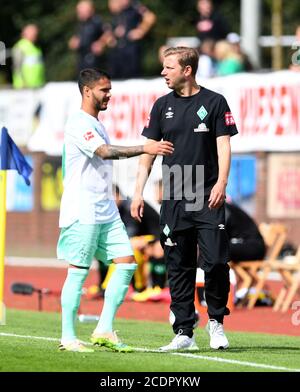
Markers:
{"x": 283, "y": 349}
{"x": 255, "y": 349}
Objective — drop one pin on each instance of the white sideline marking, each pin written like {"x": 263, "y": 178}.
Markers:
{"x": 187, "y": 355}
{"x": 38, "y": 262}
{"x": 29, "y": 337}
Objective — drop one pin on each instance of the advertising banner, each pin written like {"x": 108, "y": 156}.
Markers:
{"x": 266, "y": 109}
{"x": 283, "y": 184}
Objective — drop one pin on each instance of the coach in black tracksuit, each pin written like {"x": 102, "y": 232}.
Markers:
{"x": 199, "y": 123}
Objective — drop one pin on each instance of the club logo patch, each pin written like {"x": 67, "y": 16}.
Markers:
{"x": 202, "y": 113}
{"x": 166, "y": 230}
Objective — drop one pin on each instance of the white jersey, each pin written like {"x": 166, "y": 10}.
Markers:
{"x": 87, "y": 178}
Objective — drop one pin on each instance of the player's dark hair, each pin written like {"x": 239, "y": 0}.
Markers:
{"x": 89, "y": 76}
{"x": 186, "y": 56}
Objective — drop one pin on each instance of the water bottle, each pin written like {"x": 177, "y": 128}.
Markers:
{"x": 88, "y": 318}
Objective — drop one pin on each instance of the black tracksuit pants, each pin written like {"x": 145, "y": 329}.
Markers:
{"x": 181, "y": 259}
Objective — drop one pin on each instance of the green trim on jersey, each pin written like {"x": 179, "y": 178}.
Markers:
{"x": 63, "y": 162}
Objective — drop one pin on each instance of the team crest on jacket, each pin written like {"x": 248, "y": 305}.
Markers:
{"x": 202, "y": 113}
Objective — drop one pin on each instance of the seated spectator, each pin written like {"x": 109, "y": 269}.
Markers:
{"x": 144, "y": 239}
{"x": 235, "y": 41}
{"x": 157, "y": 284}
{"x": 295, "y": 66}
{"x": 161, "y": 51}
{"x": 245, "y": 240}
{"x": 207, "y": 63}
{"x": 229, "y": 62}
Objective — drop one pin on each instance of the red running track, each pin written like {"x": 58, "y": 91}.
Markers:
{"x": 260, "y": 319}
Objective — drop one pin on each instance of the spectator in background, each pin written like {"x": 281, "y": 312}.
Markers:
{"x": 229, "y": 62}
{"x": 210, "y": 24}
{"x": 245, "y": 241}
{"x": 160, "y": 54}
{"x": 142, "y": 237}
{"x": 89, "y": 41}
{"x": 28, "y": 64}
{"x": 157, "y": 266}
{"x": 235, "y": 41}
{"x": 207, "y": 64}
{"x": 295, "y": 66}
{"x": 131, "y": 21}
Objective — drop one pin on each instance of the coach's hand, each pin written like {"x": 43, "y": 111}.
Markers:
{"x": 159, "y": 148}
{"x": 137, "y": 208}
{"x": 217, "y": 195}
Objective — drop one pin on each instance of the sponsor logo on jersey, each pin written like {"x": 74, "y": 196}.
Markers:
{"x": 229, "y": 120}
{"x": 169, "y": 242}
{"x": 202, "y": 113}
{"x": 221, "y": 226}
{"x": 201, "y": 128}
{"x": 88, "y": 136}
{"x": 169, "y": 113}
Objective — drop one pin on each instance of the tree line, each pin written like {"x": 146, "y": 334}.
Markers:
{"x": 57, "y": 22}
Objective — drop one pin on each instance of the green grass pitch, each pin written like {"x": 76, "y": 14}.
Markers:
{"x": 248, "y": 351}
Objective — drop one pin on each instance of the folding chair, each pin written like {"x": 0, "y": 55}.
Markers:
{"x": 274, "y": 235}
{"x": 289, "y": 269}
{"x": 255, "y": 272}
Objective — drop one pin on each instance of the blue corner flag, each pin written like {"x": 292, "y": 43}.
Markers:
{"x": 11, "y": 157}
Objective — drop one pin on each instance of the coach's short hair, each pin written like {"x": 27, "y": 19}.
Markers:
{"x": 89, "y": 76}
{"x": 186, "y": 56}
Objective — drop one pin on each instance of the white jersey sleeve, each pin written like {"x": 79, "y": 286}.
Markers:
{"x": 85, "y": 136}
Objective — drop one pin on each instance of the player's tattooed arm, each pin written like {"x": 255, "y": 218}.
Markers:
{"x": 108, "y": 151}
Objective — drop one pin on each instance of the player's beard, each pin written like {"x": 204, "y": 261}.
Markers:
{"x": 97, "y": 103}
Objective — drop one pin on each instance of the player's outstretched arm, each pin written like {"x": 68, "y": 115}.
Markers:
{"x": 108, "y": 151}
